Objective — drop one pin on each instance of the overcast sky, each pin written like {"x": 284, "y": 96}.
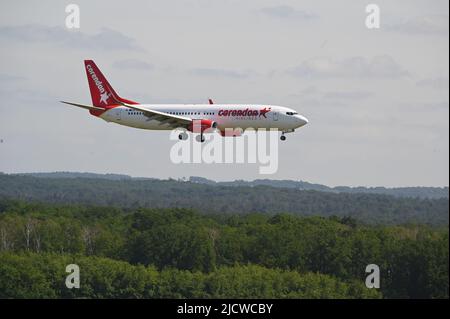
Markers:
{"x": 377, "y": 99}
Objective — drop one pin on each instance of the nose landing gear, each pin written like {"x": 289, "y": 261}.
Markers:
{"x": 283, "y": 137}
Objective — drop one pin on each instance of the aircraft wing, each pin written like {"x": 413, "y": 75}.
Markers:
{"x": 162, "y": 117}
{"x": 174, "y": 120}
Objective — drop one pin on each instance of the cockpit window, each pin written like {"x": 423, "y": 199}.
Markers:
{"x": 291, "y": 113}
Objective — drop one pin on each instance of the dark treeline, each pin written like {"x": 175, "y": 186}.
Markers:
{"x": 159, "y": 253}
{"x": 421, "y": 192}
{"x": 416, "y": 191}
{"x": 134, "y": 193}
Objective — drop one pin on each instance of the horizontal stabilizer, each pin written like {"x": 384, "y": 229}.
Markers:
{"x": 84, "y": 106}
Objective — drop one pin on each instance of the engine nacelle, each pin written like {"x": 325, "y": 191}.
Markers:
{"x": 198, "y": 126}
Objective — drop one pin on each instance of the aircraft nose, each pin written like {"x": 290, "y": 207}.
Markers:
{"x": 301, "y": 120}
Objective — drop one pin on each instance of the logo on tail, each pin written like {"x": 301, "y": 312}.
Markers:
{"x": 102, "y": 93}
{"x": 104, "y": 97}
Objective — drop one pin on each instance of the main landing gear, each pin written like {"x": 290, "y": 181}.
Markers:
{"x": 283, "y": 137}
{"x": 183, "y": 136}
{"x": 200, "y": 138}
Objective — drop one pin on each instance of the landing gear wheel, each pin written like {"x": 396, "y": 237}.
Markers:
{"x": 282, "y": 137}
{"x": 200, "y": 138}
{"x": 182, "y": 136}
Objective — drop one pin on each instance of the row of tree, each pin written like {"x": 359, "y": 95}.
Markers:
{"x": 413, "y": 259}
{"x": 31, "y": 275}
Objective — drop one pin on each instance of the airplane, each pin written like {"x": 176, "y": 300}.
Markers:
{"x": 229, "y": 119}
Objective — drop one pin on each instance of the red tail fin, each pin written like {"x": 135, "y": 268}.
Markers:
{"x": 102, "y": 93}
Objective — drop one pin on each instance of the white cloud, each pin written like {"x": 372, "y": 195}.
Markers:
{"x": 214, "y": 72}
{"x": 133, "y": 64}
{"x": 427, "y": 24}
{"x": 351, "y": 95}
{"x": 7, "y": 78}
{"x": 287, "y": 12}
{"x": 440, "y": 83}
{"x": 106, "y": 39}
{"x": 380, "y": 66}
{"x": 336, "y": 95}
{"x": 430, "y": 106}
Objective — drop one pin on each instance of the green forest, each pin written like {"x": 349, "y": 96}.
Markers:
{"x": 138, "y": 252}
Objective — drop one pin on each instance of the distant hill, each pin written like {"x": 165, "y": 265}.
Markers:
{"x": 78, "y": 175}
{"x": 421, "y": 192}
{"x": 231, "y": 198}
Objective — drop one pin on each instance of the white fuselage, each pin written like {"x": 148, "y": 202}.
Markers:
{"x": 242, "y": 116}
